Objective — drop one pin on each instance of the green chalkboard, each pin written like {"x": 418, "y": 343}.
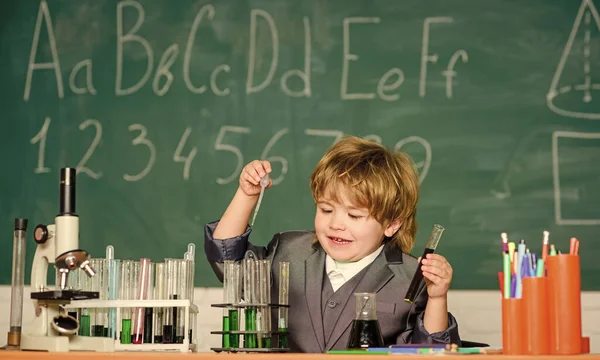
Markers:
{"x": 160, "y": 103}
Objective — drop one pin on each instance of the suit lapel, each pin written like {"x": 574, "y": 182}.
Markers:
{"x": 376, "y": 277}
{"x": 313, "y": 285}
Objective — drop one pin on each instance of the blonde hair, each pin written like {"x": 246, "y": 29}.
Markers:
{"x": 384, "y": 182}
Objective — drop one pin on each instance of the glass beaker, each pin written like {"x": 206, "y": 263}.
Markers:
{"x": 365, "y": 330}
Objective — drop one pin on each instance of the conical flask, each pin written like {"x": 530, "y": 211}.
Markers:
{"x": 365, "y": 331}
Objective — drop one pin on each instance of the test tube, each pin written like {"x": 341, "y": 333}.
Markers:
{"x": 190, "y": 282}
{"x": 191, "y": 249}
{"x": 159, "y": 294}
{"x": 170, "y": 314}
{"x": 250, "y": 298}
{"x": 263, "y": 318}
{"x": 114, "y": 277}
{"x": 233, "y": 296}
{"x": 149, "y": 312}
{"x": 17, "y": 282}
{"x": 126, "y": 292}
{"x": 85, "y": 284}
{"x": 183, "y": 294}
{"x": 227, "y": 283}
{"x": 430, "y": 247}
{"x": 284, "y": 284}
{"x": 142, "y": 293}
{"x": 97, "y": 315}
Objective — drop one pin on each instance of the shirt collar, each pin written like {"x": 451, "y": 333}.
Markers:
{"x": 348, "y": 270}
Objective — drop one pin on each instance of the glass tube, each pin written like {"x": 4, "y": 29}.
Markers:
{"x": 114, "y": 279}
{"x": 85, "y": 284}
{"x": 17, "y": 282}
{"x": 141, "y": 294}
{"x": 250, "y": 298}
{"x": 182, "y": 294}
{"x": 170, "y": 314}
{"x": 97, "y": 315}
{"x": 149, "y": 312}
{"x": 417, "y": 279}
{"x": 227, "y": 283}
{"x": 284, "y": 284}
{"x": 190, "y": 283}
{"x": 127, "y": 288}
{"x": 263, "y": 318}
{"x": 159, "y": 294}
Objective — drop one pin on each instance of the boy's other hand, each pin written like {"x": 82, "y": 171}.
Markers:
{"x": 438, "y": 275}
{"x": 251, "y": 175}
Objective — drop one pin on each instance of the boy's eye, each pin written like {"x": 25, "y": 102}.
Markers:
{"x": 353, "y": 216}
{"x": 325, "y": 210}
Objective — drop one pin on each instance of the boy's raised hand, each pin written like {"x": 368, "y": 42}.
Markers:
{"x": 251, "y": 175}
{"x": 438, "y": 275}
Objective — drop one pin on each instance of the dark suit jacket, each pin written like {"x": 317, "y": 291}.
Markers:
{"x": 389, "y": 276}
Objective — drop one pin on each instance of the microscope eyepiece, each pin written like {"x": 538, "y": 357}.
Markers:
{"x": 67, "y": 191}
{"x": 20, "y": 224}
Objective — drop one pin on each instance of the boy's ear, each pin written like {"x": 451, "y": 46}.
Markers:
{"x": 392, "y": 228}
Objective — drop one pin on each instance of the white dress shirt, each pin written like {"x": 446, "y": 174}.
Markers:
{"x": 340, "y": 272}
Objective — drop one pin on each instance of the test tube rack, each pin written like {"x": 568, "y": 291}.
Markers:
{"x": 188, "y": 345}
{"x": 248, "y": 332}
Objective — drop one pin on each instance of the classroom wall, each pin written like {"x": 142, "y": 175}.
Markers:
{"x": 478, "y": 313}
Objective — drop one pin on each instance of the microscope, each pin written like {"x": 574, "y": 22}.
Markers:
{"x": 52, "y": 328}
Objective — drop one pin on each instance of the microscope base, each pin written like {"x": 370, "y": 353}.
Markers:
{"x": 67, "y": 343}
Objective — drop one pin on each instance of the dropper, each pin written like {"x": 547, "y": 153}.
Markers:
{"x": 263, "y": 184}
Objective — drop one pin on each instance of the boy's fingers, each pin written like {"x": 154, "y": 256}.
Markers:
{"x": 252, "y": 175}
{"x": 433, "y": 278}
{"x": 435, "y": 270}
{"x": 436, "y": 257}
{"x": 267, "y": 166}
{"x": 437, "y": 263}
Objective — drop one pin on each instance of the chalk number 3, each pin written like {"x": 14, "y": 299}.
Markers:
{"x": 142, "y": 140}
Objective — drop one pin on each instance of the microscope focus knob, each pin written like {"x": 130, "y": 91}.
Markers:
{"x": 40, "y": 234}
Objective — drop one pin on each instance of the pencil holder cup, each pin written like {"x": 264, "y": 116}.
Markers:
{"x": 564, "y": 304}
{"x": 514, "y": 327}
{"x": 585, "y": 345}
{"x": 536, "y": 315}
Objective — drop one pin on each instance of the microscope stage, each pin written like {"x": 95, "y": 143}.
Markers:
{"x": 65, "y": 295}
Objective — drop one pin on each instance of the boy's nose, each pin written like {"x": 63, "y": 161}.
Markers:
{"x": 336, "y": 223}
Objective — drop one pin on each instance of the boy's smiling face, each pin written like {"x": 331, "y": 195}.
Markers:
{"x": 346, "y": 231}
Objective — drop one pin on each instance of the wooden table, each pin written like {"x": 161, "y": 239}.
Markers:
{"x": 38, "y": 355}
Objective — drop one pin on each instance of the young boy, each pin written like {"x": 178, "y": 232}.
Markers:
{"x": 365, "y": 226}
